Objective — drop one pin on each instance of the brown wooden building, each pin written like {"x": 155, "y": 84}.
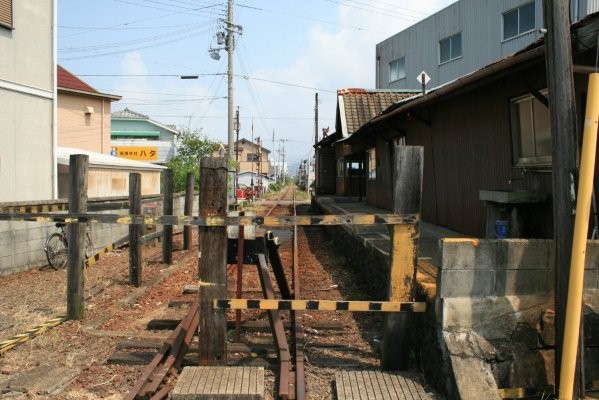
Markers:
{"x": 487, "y": 143}
{"x": 355, "y": 107}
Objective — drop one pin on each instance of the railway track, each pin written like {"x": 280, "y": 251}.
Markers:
{"x": 155, "y": 381}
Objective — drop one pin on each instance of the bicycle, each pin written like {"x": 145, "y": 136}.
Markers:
{"x": 57, "y": 246}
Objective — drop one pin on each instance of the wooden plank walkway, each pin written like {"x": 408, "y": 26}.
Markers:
{"x": 225, "y": 383}
{"x": 377, "y": 385}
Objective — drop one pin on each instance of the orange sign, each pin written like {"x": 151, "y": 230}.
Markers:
{"x": 136, "y": 153}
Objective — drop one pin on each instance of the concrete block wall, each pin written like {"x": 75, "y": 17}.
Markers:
{"x": 509, "y": 267}
{"x": 22, "y": 243}
{"x": 499, "y": 294}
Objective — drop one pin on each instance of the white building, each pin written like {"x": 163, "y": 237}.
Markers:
{"x": 27, "y": 99}
{"x": 463, "y": 38}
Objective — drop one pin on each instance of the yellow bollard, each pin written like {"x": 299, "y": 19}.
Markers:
{"x": 581, "y": 223}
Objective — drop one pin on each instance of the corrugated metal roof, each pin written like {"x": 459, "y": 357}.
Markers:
{"x": 100, "y": 160}
{"x": 356, "y": 107}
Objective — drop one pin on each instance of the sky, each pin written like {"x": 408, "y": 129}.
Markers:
{"x": 286, "y": 52}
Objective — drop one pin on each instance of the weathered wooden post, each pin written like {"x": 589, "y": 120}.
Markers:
{"x": 167, "y": 209}
{"x": 78, "y": 167}
{"x": 188, "y": 210}
{"x": 135, "y": 245}
{"x": 403, "y": 253}
{"x": 213, "y": 262}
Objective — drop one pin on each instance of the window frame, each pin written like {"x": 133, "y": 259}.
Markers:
{"x": 371, "y": 158}
{"x": 518, "y": 11}
{"x": 10, "y": 7}
{"x": 450, "y": 40}
{"x": 528, "y": 161}
{"x": 399, "y": 77}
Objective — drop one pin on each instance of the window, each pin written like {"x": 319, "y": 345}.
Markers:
{"x": 531, "y": 131}
{"x": 518, "y": 21}
{"x": 397, "y": 69}
{"x": 371, "y": 163}
{"x": 450, "y": 48}
{"x": 253, "y": 157}
{"x": 6, "y": 13}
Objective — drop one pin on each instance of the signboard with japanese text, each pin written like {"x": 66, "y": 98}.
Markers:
{"x": 145, "y": 153}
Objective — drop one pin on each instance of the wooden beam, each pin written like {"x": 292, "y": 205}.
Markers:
{"x": 189, "y": 192}
{"x": 167, "y": 209}
{"x": 213, "y": 262}
{"x": 135, "y": 243}
{"x": 206, "y": 221}
{"x": 78, "y": 167}
{"x": 407, "y": 197}
{"x": 564, "y": 130}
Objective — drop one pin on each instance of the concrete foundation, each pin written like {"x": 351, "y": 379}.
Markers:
{"x": 489, "y": 322}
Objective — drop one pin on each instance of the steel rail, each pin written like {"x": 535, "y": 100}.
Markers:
{"x": 297, "y": 318}
{"x": 169, "y": 356}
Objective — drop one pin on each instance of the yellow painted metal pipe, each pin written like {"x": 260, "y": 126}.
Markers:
{"x": 579, "y": 243}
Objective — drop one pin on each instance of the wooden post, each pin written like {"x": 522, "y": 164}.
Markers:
{"x": 135, "y": 245}
{"x": 403, "y": 254}
{"x": 78, "y": 167}
{"x": 213, "y": 262}
{"x": 188, "y": 210}
{"x": 167, "y": 209}
{"x": 562, "y": 111}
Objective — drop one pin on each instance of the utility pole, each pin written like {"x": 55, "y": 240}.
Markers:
{"x": 236, "y": 154}
{"x": 316, "y": 118}
{"x": 562, "y": 111}
{"x": 230, "y": 45}
{"x": 228, "y": 40}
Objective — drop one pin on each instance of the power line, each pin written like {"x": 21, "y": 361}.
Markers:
{"x": 89, "y": 48}
{"x": 131, "y": 49}
{"x": 297, "y": 85}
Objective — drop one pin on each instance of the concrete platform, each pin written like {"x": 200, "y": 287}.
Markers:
{"x": 220, "y": 383}
{"x": 378, "y": 235}
{"x": 377, "y": 385}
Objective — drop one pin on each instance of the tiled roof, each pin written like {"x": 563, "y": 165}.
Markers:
{"x": 362, "y": 105}
{"x": 67, "y": 80}
{"x": 126, "y": 113}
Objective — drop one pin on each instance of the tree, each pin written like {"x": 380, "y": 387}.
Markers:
{"x": 191, "y": 147}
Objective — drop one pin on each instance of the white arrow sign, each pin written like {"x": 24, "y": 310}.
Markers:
{"x": 423, "y": 78}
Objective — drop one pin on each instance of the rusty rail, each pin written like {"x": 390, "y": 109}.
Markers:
{"x": 169, "y": 356}
{"x": 296, "y": 318}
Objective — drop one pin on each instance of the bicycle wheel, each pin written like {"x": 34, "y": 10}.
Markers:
{"x": 56, "y": 251}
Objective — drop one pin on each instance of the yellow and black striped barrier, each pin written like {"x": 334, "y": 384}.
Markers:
{"x": 42, "y": 208}
{"x": 101, "y": 254}
{"x": 289, "y": 221}
{"x": 21, "y": 338}
{"x": 318, "y": 305}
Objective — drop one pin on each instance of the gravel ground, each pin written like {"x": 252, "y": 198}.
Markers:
{"x": 116, "y": 311}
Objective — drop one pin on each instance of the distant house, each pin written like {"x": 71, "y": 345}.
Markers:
{"x": 254, "y": 163}
{"x": 463, "y": 37}
{"x": 83, "y": 114}
{"x": 137, "y": 137}
{"x": 27, "y": 100}
{"x": 486, "y": 139}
